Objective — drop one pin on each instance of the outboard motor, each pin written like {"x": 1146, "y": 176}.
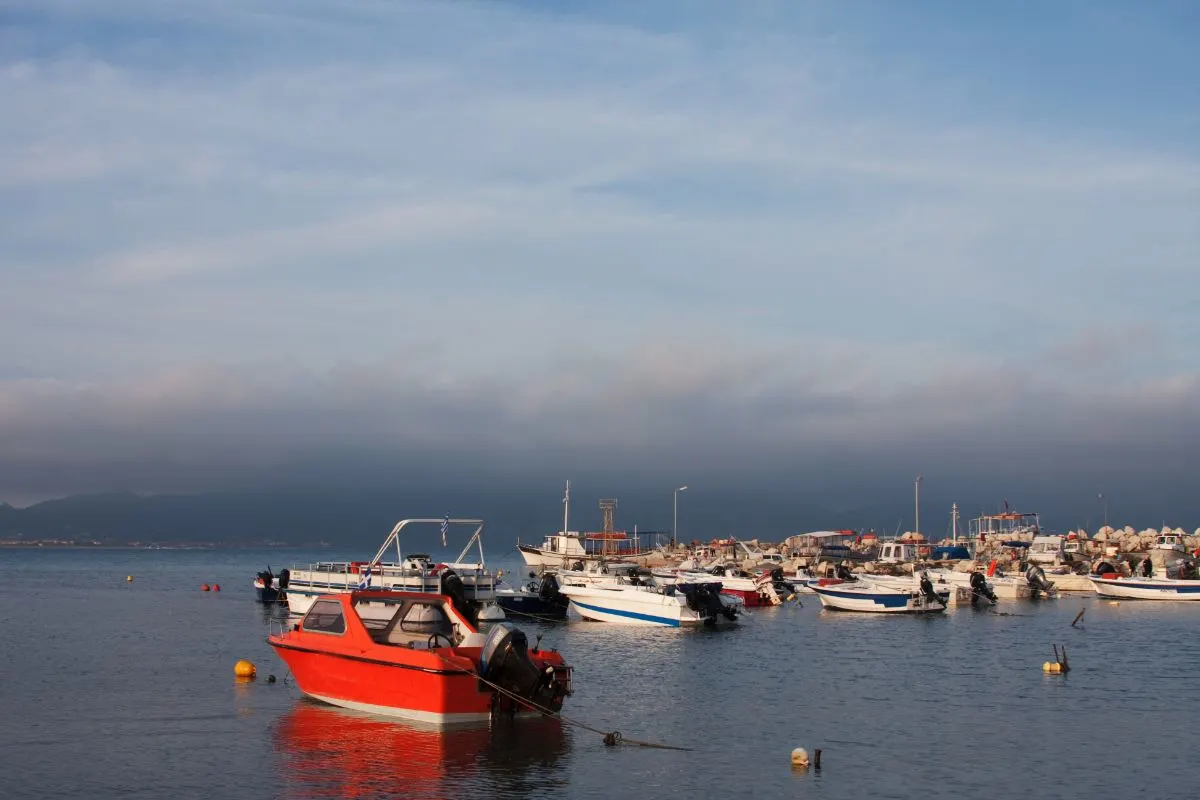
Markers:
{"x": 980, "y": 588}
{"x": 285, "y": 575}
{"x": 706, "y": 598}
{"x": 505, "y": 662}
{"x": 267, "y": 578}
{"x": 1035, "y": 576}
{"x": 452, "y": 586}
{"x": 928, "y": 591}
{"x": 548, "y": 590}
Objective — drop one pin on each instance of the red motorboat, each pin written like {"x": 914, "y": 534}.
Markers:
{"x": 415, "y": 655}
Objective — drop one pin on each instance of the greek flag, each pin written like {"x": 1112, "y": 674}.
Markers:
{"x": 365, "y": 582}
{"x": 445, "y": 526}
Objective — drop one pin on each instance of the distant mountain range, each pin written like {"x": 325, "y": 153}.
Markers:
{"x": 363, "y": 518}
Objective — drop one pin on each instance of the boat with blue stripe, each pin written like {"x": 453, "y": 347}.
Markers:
{"x": 866, "y": 595}
{"x": 675, "y": 606}
{"x": 1118, "y": 587}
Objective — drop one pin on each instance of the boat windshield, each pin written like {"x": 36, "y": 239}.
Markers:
{"x": 325, "y": 616}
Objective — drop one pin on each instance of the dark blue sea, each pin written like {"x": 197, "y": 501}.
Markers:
{"x": 120, "y": 689}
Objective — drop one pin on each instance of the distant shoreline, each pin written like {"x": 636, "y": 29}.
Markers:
{"x": 59, "y": 545}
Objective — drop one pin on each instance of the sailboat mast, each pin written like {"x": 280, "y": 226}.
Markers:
{"x": 566, "y": 508}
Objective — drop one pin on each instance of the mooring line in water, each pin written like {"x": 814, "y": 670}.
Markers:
{"x": 611, "y": 738}
{"x": 535, "y": 617}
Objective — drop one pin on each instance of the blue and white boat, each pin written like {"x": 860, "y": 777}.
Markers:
{"x": 1118, "y": 587}
{"x": 679, "y": 605}
{"x": 538, "y": 599}
{"x": 918, "y": 597}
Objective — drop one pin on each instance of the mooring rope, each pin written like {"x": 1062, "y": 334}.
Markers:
{"x": 611, "y": 738}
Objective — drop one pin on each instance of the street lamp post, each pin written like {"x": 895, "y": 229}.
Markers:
{"x": 675, "y": 517}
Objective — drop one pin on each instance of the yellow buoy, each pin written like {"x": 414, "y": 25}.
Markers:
{"x": 799, "y": 757}
{"x": 245, "y": 669}
{"x": 129, "y": 579}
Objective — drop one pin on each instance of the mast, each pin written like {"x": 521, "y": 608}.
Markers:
{"x": 917, "y": 502}
{"x": 566, "y": 508}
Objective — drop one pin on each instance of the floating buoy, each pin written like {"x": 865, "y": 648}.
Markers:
{"x": 799, "y": 757}
{"x": 245, "y": 669}
{"x": 1052, "y": 666}
{"x": 216, "y": 587}
{"x": 204, "y": 587}
{"x": 129, "y": 579}
{"x": 270, "y": 679}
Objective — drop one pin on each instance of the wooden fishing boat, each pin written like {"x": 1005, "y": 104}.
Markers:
{"x": 416, "y": 655}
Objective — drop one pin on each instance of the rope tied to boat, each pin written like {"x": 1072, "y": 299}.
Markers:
{"x": 611, "y": 738}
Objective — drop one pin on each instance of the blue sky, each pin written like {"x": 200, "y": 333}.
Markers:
{"x": 580, "y": 234}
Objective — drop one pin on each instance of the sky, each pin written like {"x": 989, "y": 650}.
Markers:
{"x": 801, "y": 250}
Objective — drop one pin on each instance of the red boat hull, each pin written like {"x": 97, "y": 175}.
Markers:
{"x": 439, "y": 685}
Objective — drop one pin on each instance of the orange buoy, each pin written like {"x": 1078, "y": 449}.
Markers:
{"x": 204, "y": 587}
{"x": 216, "y": 587}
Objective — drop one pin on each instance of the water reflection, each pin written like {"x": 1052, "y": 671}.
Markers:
{"x": 328, "y": 752}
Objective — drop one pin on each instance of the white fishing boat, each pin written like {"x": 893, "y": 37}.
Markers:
{"x": 763, "y": 588}
{"x": 678, "y": 605}
{"x": 1119, "y": 587}
{"x": 415, "y": 573}
{"x": 566, "y": 547}
{"x": 1004, "y": 587}
{"x": 920, "y": 596}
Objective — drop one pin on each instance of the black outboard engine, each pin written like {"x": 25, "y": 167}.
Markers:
{"x": 548, "y": 590}
{"x": 927, "y": 589}
{"x": 452, "y": 587}
{"x": 706, "y": 598}
{"x": 1035, "y": 576}
{"x": 285, "y": 575}
{"x": 267, "y": 578}
{"x": 505, "y": 662}
{"x": 980, "y": 588}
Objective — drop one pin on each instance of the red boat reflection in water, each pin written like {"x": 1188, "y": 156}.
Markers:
{"x": 329, "y": 752}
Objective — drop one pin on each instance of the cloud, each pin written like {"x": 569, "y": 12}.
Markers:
{"x": 244, "y": 236}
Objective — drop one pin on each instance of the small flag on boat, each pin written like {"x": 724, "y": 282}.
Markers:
{"x": 445, "y": 526}
{"x": 365, "y": 581}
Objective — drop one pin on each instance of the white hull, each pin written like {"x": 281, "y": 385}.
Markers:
{"x": 1146, "y": 588}
{"x": 633, "y": 605}
{"x": 878, "y": 598}
{"x": 1005, "y": 587}
{"x": 306, "y": 585}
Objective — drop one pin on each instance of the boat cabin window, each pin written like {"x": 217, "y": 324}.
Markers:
{"x": 425, "y": 618}
{"x": 325, "y": 616}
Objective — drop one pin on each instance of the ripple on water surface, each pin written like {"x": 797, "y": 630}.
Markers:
{"x": 116, "y": 689}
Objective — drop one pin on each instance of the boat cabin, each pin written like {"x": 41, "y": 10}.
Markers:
{"x": 897, "y": 553}
{"x": 416, "y": 620}
{"x": 1048, "y": 550}
{"x": 1170, "y": 541}
{"x": 1007, "y": 525}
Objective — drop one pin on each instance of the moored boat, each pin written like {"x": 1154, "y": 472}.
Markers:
{"x": 918, "y": 597}
{"x": 415, "y": 573}
{"x": 271, "y": 588}
{"x": 677, "y": 605}
{"x": 416, "y": 655}
{"x": 1119, "y": 587}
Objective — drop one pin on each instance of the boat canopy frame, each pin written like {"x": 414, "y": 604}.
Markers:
{"x": 476, "y": 538}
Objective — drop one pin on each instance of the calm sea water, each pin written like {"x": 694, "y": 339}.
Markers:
{"x": 116, "y": 689}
